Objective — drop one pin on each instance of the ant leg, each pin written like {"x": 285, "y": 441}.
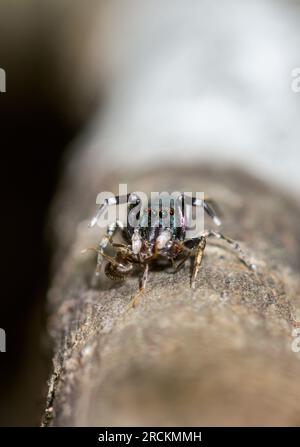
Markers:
{"x": 136, "y": 299}
{"x": 244, "y": 258}
{"x": 107, "y": 238}
{"x": 198, "y": 259}
{"x": 180, "y": 264}
{"x": 121, "y": 246}
{"x": 173, "y": 264}
{"x": 102, "y": 245}
{"x": 105, "y": 256}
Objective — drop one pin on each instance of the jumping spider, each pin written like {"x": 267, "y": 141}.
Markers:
{"x": 152, "y": 238}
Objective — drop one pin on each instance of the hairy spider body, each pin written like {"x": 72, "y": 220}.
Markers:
{"x": 152, "y": 221}
{"x": 158, "y": 232}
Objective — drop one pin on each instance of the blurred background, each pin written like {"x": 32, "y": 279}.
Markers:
{"x": 137, "y": 83}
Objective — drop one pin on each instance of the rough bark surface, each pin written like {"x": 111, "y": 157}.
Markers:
{"x": 219, "y": 355}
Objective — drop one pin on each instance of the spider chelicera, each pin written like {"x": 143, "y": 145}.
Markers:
{"x": 159, "y": 232}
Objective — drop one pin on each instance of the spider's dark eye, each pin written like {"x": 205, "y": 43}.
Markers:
{"x": 163, "y": 213}
{"x": 171, "y": 211}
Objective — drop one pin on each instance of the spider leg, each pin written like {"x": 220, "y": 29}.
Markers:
{"x": 198, "y": 259}
{"x": 244, "y": 258}
{"x": 207, "y": 204}
{"x": 118, "y": 200}
{"x": 135, "y": 300}
{"x": 103, "y": 244}
{"x": 208, "y": 208}
{"x": 107, "y": 238}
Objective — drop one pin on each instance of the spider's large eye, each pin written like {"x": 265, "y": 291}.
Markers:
{"x": 163, "y": 213}
{"x": 171, "y": 211}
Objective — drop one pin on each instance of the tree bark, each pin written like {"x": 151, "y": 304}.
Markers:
{"x": 219, "y": 355}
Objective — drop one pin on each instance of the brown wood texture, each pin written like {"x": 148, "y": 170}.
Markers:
{"x": 218, "y": 355}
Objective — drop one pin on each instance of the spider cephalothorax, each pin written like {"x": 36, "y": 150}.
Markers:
{"x": 153, "y": 232}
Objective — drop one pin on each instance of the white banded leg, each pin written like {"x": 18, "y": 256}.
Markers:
{"x": 103, "y": 244}
{"x": 208, "y": 206}
{"x": 233, "y": 245}
{"x": 118, "y": 200}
